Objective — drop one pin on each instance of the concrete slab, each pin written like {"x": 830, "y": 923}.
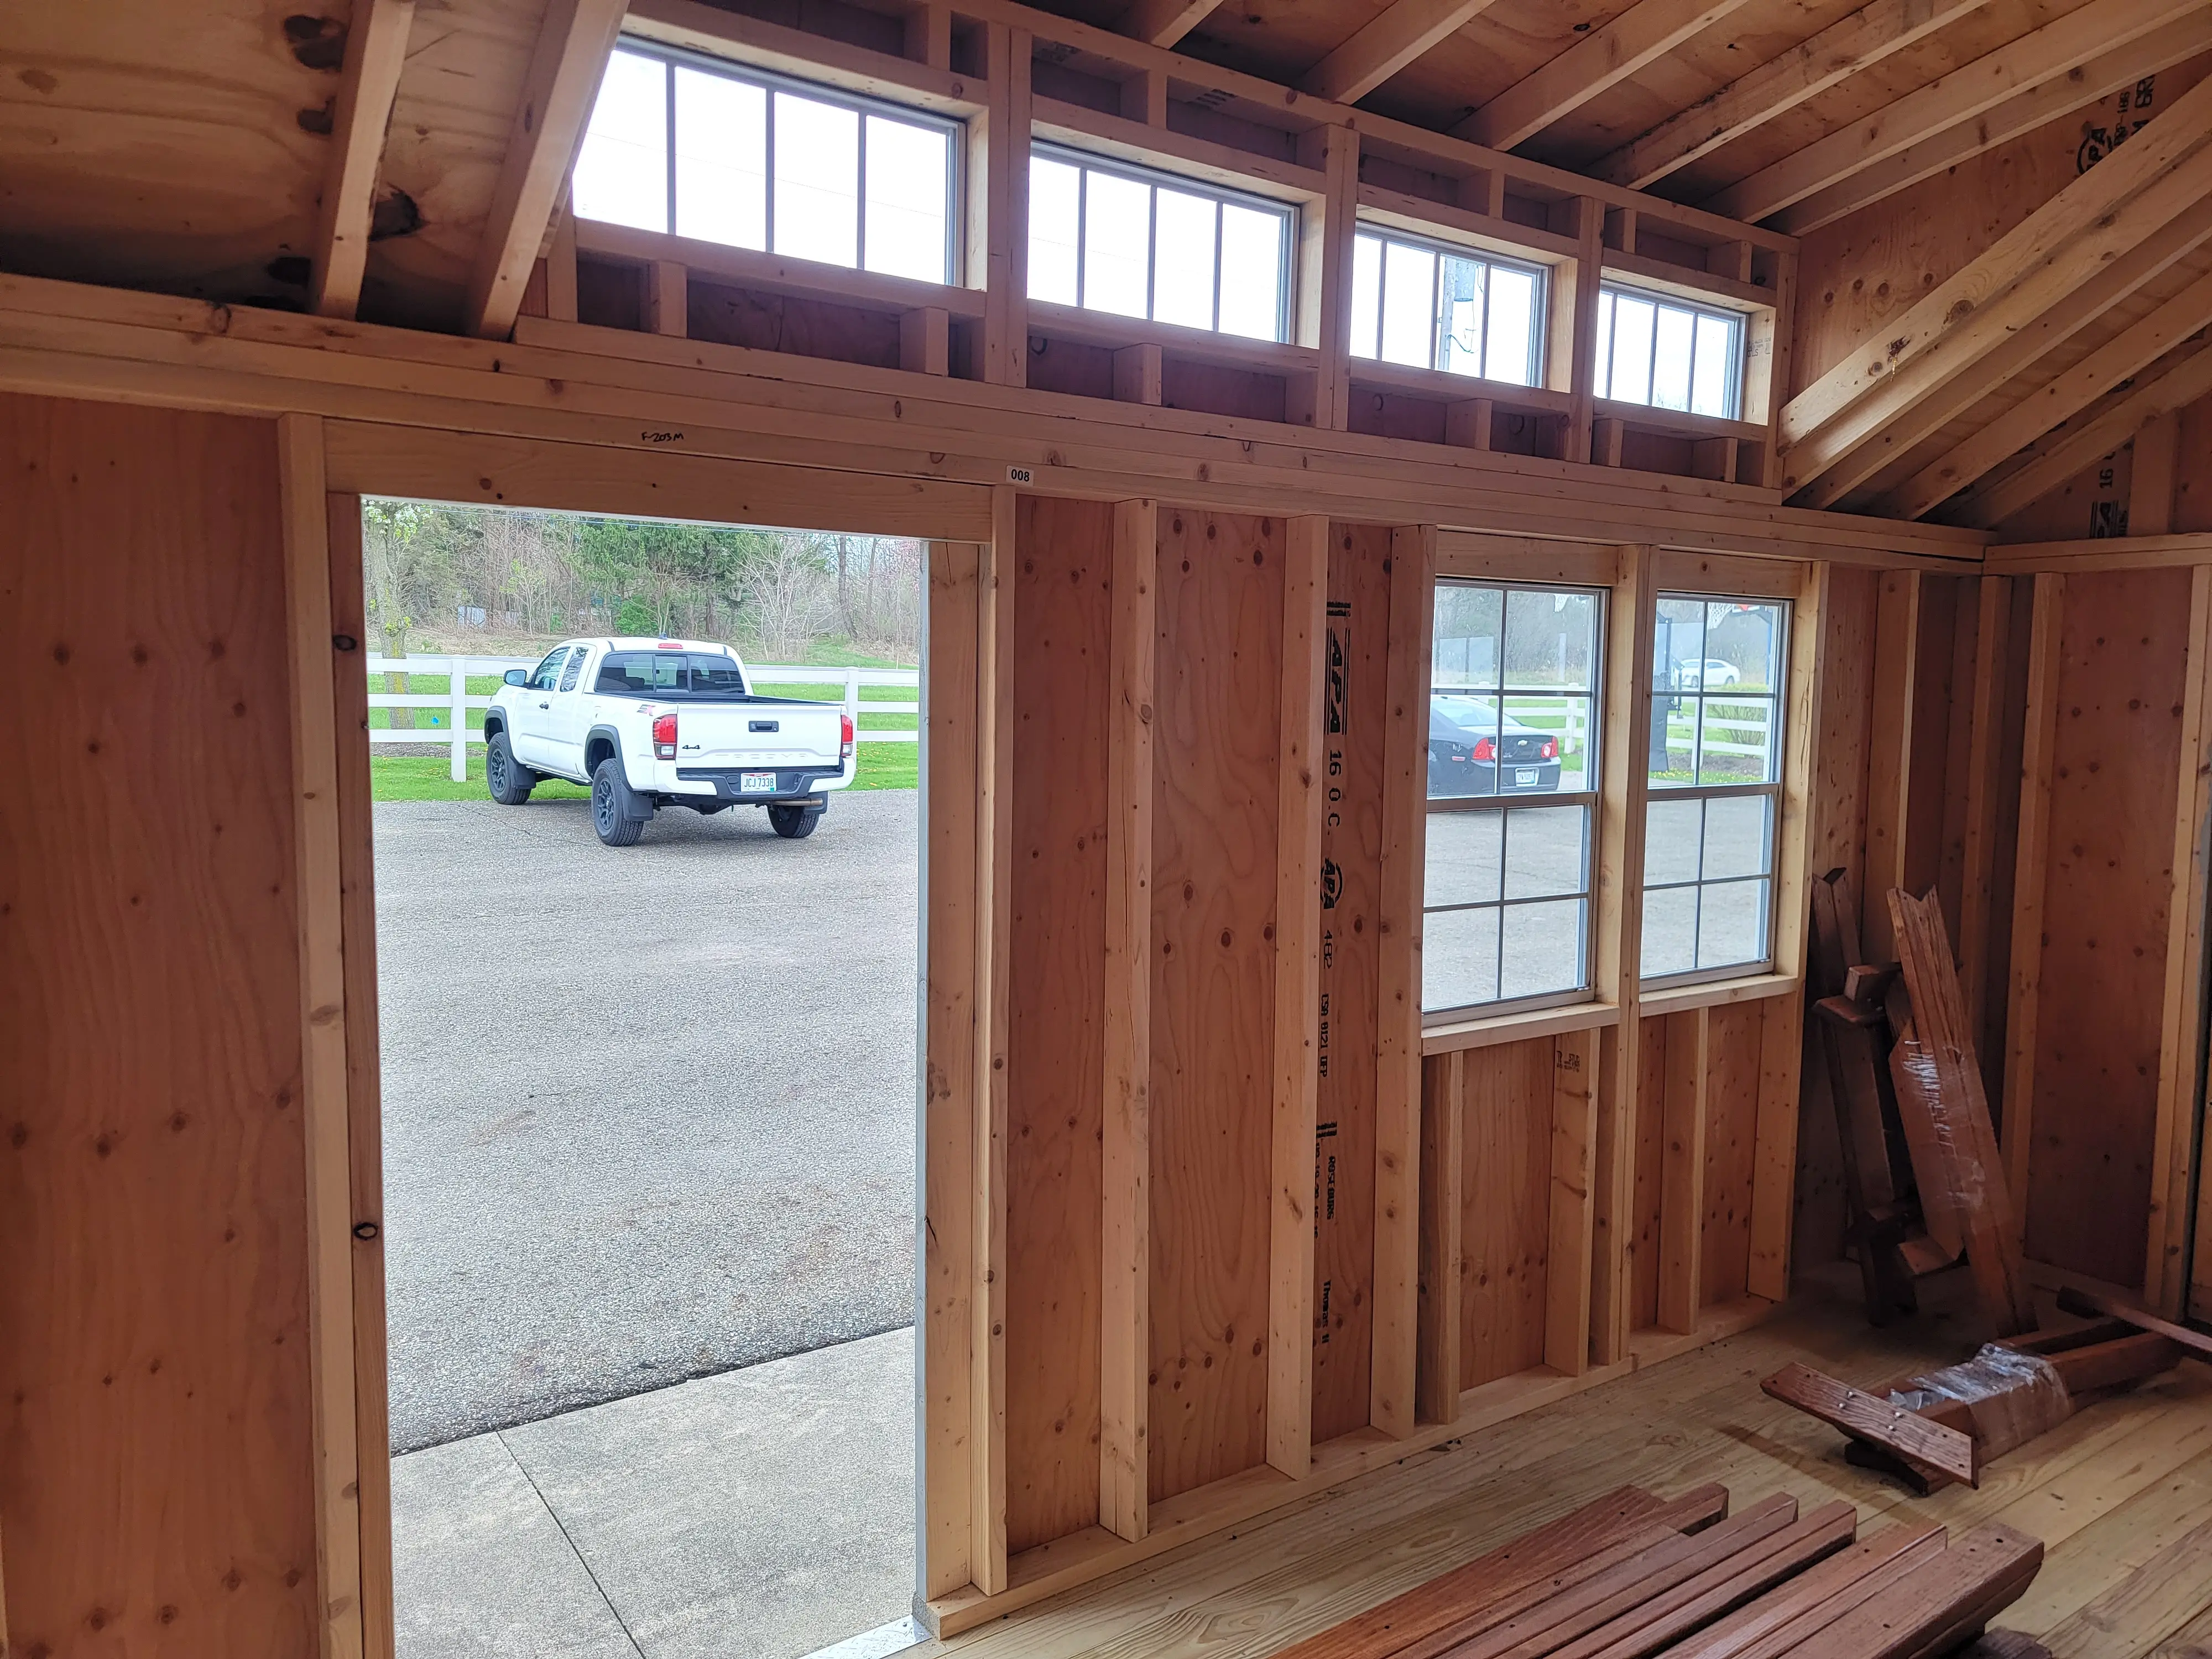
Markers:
{"x": 762, "y": 1514}
{"x": 480, "y": 1569}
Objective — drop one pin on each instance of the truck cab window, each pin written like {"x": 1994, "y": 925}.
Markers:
{"x": 575, "y": 667}
{"x": 548, "y": 670}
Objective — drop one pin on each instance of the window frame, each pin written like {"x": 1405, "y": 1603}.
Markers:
{"x": 1087, "y": 161}
{"x": 1540, "y": 320}
{"x": 1591, "y": 799}
{"x": 1773, "y": 789}
{"x": 672, "y": 57}
{"x": 1738, "y": 325}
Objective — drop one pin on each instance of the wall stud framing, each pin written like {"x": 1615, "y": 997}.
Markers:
{"x": 1297, "y": 998}
{"x": 1619, "y": 890}
{"x": 1574, "y": 1146}
{"x": 1398, "y": 1013}
{"x": 2165, "y": 1264}
{"x": 1992, "y": 642}
{"x": 1443, "y": 1257}
{"x": 323, "y": 1033}
{"x": 1682, "y": 1171}
{"x": 1889, "y": 755}
{"x": 951, "y": 790}
{"x": 992, "y": 921}
{"x": 1125, "y": 1261}
{"x": 2030, "y": 871}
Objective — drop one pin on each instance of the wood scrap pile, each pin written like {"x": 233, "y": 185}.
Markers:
{"x": 1923, "y": 1182}
{"x": 1629, "y": 1576}
{"x": 1940, "y": 1428}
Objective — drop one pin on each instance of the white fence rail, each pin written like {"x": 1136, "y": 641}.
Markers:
{"x": 449, "y": 709}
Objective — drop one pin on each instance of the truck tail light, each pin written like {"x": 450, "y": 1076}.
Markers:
{"x": 664, "y": 736}
{"x": 845, "y": 737}
{"x": 1484, "y": 749}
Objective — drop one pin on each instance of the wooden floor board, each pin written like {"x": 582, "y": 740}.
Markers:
{"x": 2109, "y": 1490}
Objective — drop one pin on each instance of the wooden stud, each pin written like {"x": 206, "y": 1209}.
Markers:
{"x": 1574, "y": 1146}
{"x": 994, "y": 923}
{"x": 998, "y": 250}
{"x": 2155, "y": 474}
{"x": 1398, "y": 1014}
{"x": 1467, "y": 423}
{"x": 668, "y": 299}
{"x": 1574, "y": 325}
{"x": 1606, "y": 435}
{"x": 4, "y": 1591}
{"x": 364, "y": 1099}
{"x": 1298, "y": 998}
{"x": 926, "y": 340}
{"x": 573, "y": 44}
{"x": 1714, "y": 458}
{"x": 375, "y": 52}
{"x": 2031, "y": 868}
{"x": 1992, "y": 643}
{"x": 951, "y": 729}
{"x": 1774, "y": 1168}
{"x": 1137, "y": 374}
{"x": 1324, "y": 286}
{"x": 1682, "y": 1171}
{"x": 1124, "y": 1483}
{"x": 1630, "y": 613}
{"x": 317, "y": 882}
{"x": 2166, "y": 1267}
{"x": 1442, "y": 1256}
{"x": 929, "y": 35}
{"x": 1889, "y": 754}
{"x": 560, "y": 271}
{"x": 1145, "y": 98}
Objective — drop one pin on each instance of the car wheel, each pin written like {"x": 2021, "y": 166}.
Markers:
{"x": 510, "y": 781}
{"x": 795, "y": 823}
{"x": 612, "y": 807}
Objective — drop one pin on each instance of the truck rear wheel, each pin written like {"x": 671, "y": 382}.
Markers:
{"x": 614, "y": 805}
{"x": 795, "y": 823}
{"x": 510, "y": 781}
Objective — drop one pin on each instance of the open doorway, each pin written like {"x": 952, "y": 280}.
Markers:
{"x": 647, "y": 871}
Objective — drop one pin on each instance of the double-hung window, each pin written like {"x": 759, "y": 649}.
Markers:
{"x": 1514, "y": 714}
{"x": 1428, "y": 304}
{"x": 1125, "y": 240}
{"x": 723, "y": 154}
{"x": 1712, "y": 819}
{"x": 1666, "y": 353}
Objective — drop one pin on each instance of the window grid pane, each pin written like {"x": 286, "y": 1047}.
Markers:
{"x": 1669, "y": 355}
{"x": 1712, "y": 821}
{"x": 748, "y": 160}
{"x": 1437, "y": 307}
{"x": 1511, "y": 768}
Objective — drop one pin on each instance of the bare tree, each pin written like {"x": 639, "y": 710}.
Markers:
{"x": 785, "y": 587}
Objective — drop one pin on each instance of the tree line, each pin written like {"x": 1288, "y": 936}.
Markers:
{"x": 440, "y": 576}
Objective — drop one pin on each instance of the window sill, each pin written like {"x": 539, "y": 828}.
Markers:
{"x": 1486, "y": 1033}
{"x": 774, "y": 273}
{"x": 1444, "y": 386}
{"x": 1715, "y": 993}
{"x": 1647, "y": 417}
{"x": 1110, "y": 328}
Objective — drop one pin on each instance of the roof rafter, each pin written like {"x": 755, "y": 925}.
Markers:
{"x": 1390, "y": 41}
{"x": 2061, "y": 94}
{"x": 1163, "y": 22}
{"x": 1646, "y": 33}
{"x": 1857, "y": 42}
{"x": 573, "y": 44}
{"x": 2050, "y": 406}
{"x": 375, "y": 53}
{"x": 2012, "y": 289}
{"x": 2055, "y": 49}
{"x": 2182, "y": 380}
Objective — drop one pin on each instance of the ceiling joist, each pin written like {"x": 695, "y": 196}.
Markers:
{"x": 2179, "y": 382}
{"x": 375, "y": 52}
{"x": 1640, "y": 36}
{"x": 1400, "y": 33}
{"x": 2055, "y": 50}
{"x": 1841, "y": 50}
{"x": 573, "y": 44}
{"x": 2052, "y": 405}
{"x": 1163, "y": 22}
{"x": 2082, "y": 234}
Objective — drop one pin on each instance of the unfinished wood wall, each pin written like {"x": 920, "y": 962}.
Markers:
{"x": 156, "y": 1485}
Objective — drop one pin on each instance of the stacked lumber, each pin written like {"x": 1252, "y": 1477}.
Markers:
{"x": 1629, "y": 1576}
{"x": 1923, "y": 1182}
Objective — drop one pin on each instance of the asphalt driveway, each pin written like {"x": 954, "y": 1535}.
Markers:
{"x": 648, "y": 1114}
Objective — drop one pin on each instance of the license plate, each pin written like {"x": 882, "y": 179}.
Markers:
{"x": 1525, "y": 778}
{"x": 756, "y": 783}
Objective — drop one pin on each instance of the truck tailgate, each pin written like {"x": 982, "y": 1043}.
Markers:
{"x": 765, "y": 733}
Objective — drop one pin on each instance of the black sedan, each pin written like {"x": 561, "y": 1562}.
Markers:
{"x": 1472, "y": 753}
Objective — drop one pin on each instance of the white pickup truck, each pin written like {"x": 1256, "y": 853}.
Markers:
{"x": 652, "y": 723}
